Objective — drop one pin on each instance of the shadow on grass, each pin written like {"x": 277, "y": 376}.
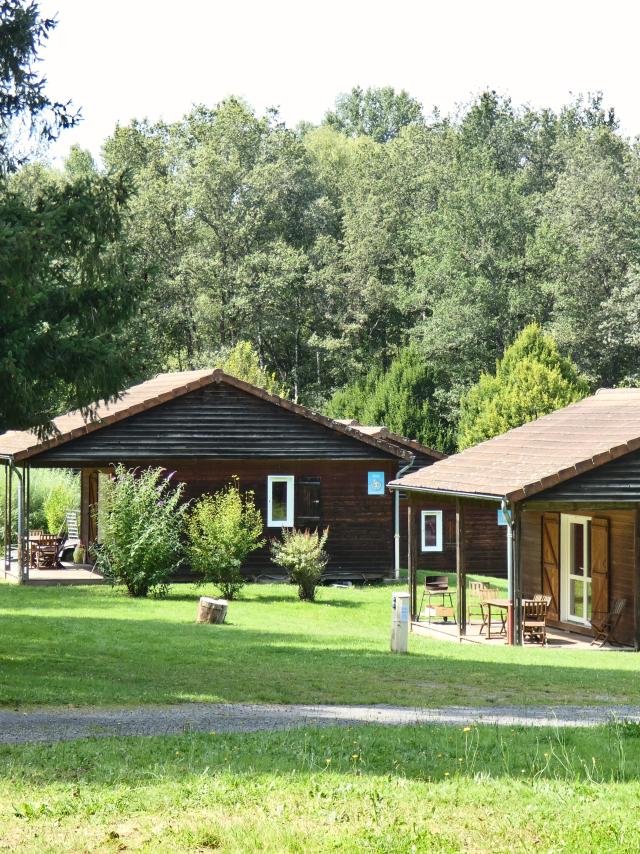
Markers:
{"x": 104, "y": 661}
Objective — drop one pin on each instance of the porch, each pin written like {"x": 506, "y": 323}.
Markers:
{"x": 79, "y": 574}
{"x": 561, "y": 639}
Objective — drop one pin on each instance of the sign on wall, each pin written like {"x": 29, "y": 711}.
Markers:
{"x": 376, "y": 483}
{"x": 502, "y": 519}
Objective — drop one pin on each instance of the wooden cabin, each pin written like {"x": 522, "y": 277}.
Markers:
{"x": 569, "y": 485}
{"x": 305, "y": 470}
{"x": 435, "y": 529}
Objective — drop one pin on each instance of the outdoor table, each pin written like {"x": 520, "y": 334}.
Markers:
{"x": 501, "y": 604}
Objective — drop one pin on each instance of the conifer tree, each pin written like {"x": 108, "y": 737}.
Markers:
{"x": 532, "y": 379}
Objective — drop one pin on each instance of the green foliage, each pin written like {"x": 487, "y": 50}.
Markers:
{"x": 68, "y": 288}
{"x": 223, "y": 529}
{"x": 142, "y": 523}
{"x": 24, "y": 104}
{"x": 378, "y": 113}
{"x": 302, "y": 554}
{"x": 54, "y": 487}
{"x": 243, "y": 362}
{"x": 404, "y": 398}
{"x": 64, "y": 495}
{"x": 532, "y": 379}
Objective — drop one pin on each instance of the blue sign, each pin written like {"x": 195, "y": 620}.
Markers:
{"x": 376, "y": 483}
{"x": 502, "y": 519}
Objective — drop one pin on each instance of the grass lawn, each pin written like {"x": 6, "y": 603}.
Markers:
{"x": 414, "y": 789}
{"x": 96, "y": 646}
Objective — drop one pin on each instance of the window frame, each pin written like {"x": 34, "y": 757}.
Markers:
{"x": 289, "y": 479}
{"x": 438, "y": 545}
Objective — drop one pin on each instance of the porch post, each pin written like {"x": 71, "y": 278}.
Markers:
{"x": 412, "y": 557}
{"x": 461, "y": 577}
{"x": 516, "y": 523}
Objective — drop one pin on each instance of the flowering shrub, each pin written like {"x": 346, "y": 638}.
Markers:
{"x": 142, "y": 523}
{"x": 302, "y": 554}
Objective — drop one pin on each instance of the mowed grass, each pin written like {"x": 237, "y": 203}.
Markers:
{"x": 97, "y": 646}
{"x": 413, "y": 789}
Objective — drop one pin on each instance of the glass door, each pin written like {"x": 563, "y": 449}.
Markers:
{"x": 576, "y": 569}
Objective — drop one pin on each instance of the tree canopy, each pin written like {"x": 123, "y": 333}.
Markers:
{"x": 68, "y": 282}
{"x": 382, "y": 242}
{"x": 532, "y": 379}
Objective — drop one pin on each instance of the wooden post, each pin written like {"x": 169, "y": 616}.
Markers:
{"x": 84, "y": 506}
{"x": 517, "y": 576}
{"x": 461, "y": 577}
{"x": 412, "y": 557}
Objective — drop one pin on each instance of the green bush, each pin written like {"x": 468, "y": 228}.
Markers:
{"x": 302, "y": 554}
{"x": 223, "y": 529}
{"x": 143, "y": 520}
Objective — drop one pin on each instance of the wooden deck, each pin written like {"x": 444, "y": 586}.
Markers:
{"x": 556, "y": 638}
{"x": 79, "y": 574}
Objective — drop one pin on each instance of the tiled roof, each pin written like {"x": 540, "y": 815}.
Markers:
{"x": 542, "y": 453}
{"x": 22, "y": 445}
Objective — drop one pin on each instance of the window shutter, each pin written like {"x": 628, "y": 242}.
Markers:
{"x": 308, "y": 502}
{"x": 551, "y": 562}
{"x": 600, "y": 566}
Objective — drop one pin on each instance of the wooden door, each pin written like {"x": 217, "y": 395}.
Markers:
{"x": 551, "y": 562}
{"x": 600, "y": 566}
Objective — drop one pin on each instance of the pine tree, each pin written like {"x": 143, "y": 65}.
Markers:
{"x": 532, "y": 379}
{"x": 403, "y": 398}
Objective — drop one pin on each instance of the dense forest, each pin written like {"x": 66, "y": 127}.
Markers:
{"x": 384, "y": 239}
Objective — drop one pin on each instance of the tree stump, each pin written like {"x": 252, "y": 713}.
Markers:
{"x": 211, "y": 610}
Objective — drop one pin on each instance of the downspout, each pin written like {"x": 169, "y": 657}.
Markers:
{"x": 396, "y": 535}
{"x": 511, "y": 585}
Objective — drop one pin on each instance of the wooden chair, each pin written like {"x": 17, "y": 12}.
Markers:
{"x": 483, "y": 595}
{"x": 475, "y": 589}
{"x": 534, "y": 620}
{"x": 46, "y": 552}
{"x": 604, "y": 624}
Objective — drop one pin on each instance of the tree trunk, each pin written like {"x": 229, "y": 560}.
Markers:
{"x": 211, "y": 610}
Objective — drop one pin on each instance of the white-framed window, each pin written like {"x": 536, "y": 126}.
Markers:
{"x": 575, "y": 569}
{"x": 431, "y": 530}
{"x": 280, "y": 501}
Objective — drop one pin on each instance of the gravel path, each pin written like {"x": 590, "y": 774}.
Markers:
{"x": 60, "y": 725}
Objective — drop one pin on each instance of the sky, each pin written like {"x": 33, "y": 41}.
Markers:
{"x": 126, "y": 59}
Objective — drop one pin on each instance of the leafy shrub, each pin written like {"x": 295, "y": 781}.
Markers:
{"x": 223, "y": 530}
{"x": 302, "y": 554}
{"x": 63, "y": 495}
{"x": 143, "y": 519}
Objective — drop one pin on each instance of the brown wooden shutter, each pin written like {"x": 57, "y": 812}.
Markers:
{"x": 600, "y": 566}
{"x": 551, "y": 562}
{"x": 308, "y": 504}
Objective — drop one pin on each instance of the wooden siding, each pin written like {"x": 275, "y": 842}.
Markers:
{"x": 360, "y": 543}
{"x": 485, "y": 542}
{"x": 622, "y": 561}
{"x": 614, "y": 481}
{"x": 214, "y": 422}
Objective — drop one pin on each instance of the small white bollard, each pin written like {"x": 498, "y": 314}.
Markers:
{"x": 399, "y": 621}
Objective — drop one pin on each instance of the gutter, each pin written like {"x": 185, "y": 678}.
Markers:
{"x": 396, "y": 534}
{"x": 452, "y": 492}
